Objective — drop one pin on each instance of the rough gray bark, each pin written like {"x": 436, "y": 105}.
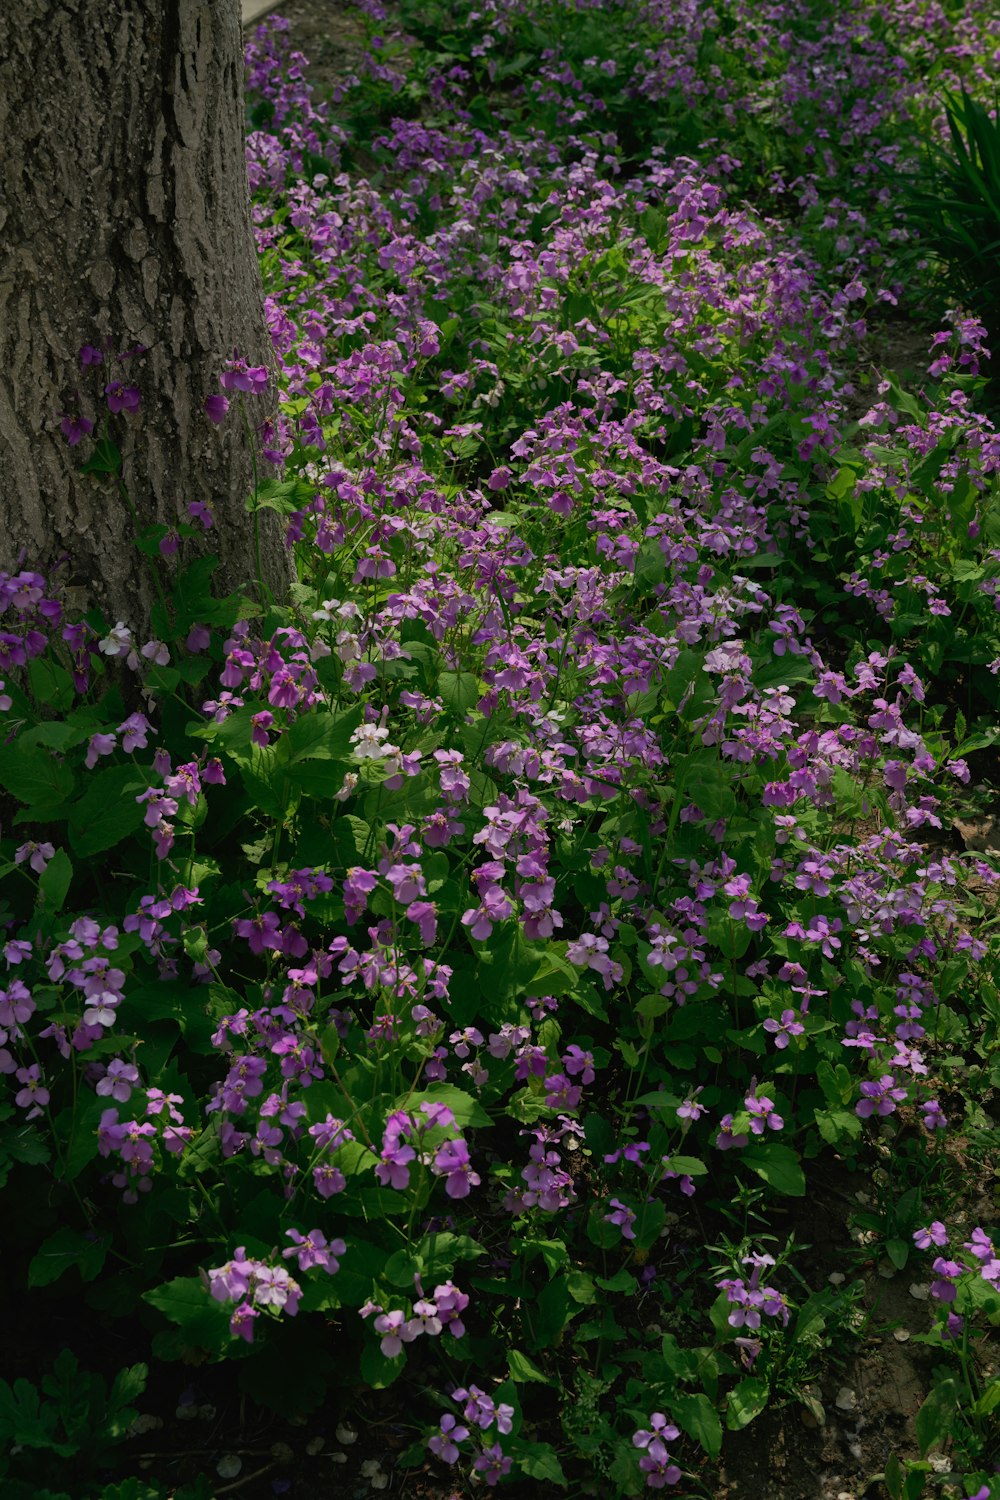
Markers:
{"x": 124, "y": 217}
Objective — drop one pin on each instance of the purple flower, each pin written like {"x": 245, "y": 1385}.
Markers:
{"x": 946, "y": 1272}
{"x": 933, "y": 1234}
{"x": 37, "y": 855}
{"x": 623, "y": 1217}
{"x": 451, "y": 1161}
{"x": 121, "y": 397}
{"x": 761, "y": 1111}
{"x": 215, "y": 408}
{"x": 660, "y": 1429}
{"x": 879, "y": 1098}
{"x": 934, "y": 1117}
{"x": 313, "y": 1249}
{"x": 492, "y": 1463}
{"x": 395, "y": 1333}
{"x": 783, "y": 1030}
{"x": 655, "y": 1462}
{"x": 33, "y": 1095}
{"x": 75, "y": 428}
{"x": 118, "y": 1080}
{"x": 726, "y": 1138}
{"x": 444, "y": 1443}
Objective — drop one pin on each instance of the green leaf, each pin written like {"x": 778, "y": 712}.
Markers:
{"x": 107, "y": 812}
{"x": 433, "y": 1258}
{"x": 538, "y": 1461}
{"x": 64, "y": 1249}
{"x": 686, "y": 1166}
{"x": 187, "y": 1302}
{"x": 933, "y": 1422}
{"x": 51, "y": 684}
{"x": 105, "y": 459}
{"x": 81, "y": 1127}
{"x": 778, "y": 1165}
{"x": 54, "y": 881}
{"x": 376, "y": 1370}
{"x": 989, "y": 1400}
{"x": 522, "y": 1369}
{"x": 467, "y": 1111}
{"x": 746, "y": 1402}
{"x": 898, "y": 1252}
{"x": 459, "y": 690}
{"x": 35, "y": 776}
{"x": 323, "y": 736}
{"x": 697, "y": 1416}
{"x": 26, "y": 1421}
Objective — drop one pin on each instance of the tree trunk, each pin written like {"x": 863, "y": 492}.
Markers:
{"x": 125, "y": 224}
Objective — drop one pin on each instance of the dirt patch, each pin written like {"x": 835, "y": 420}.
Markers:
{"x": 331, "y": 34}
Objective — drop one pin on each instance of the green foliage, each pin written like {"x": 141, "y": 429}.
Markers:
{"x": 954, "y": 203}
{"x": 75, "y": 1417}
{"x": 530, "y": 874}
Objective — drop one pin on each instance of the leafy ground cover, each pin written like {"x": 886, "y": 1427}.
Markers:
{"x": 516, "y": 998}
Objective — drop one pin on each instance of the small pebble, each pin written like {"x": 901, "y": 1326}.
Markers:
{"x": 901, "y": 1335}
{"x": 315, "y": 1445}
{"x": 346, "y": 1435}
{"x": 145, "y": 1422}
{"x": 836, "y": 1278}
{"x": 919, "y": 1291}
{"x": 229, "y": 1466}
{"x": 282, "y": 1453}
{"x": 846, "y": 1399}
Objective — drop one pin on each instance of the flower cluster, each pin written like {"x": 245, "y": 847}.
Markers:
{"x": 429, "y": 1315}
{"x": 656, "y": 1463}
{"x": 482, "y": 1413}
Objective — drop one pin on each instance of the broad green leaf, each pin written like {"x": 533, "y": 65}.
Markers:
{"x": 54, "y": 881}
{"x": 521, "y": 1368}
{"x": 539, "y": 1461}
{"x": 746, "y": 1401}
{"x": 187, "y": 1302}
{"x": 107, "y": 812}
{"x": 63, "y": 1250}
{"x": 778, "y": 1165}
{"x": 35, "y": 776}
{"x": 467, "y": 1111}
{"x": 697, "y": 1416}
{"x": 934, "y": 1420}
{"x": 459, "y": 690}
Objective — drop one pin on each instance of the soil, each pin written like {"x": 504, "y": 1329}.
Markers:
{"x": 331, "y": 34}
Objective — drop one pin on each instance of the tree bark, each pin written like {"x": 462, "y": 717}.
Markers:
{"x": 125, "y": 223}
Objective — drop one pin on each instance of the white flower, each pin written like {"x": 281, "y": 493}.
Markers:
{"x": 368, "y": 742}
{"x": 117, "y": 641}
{"x": 348, "y": 647}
